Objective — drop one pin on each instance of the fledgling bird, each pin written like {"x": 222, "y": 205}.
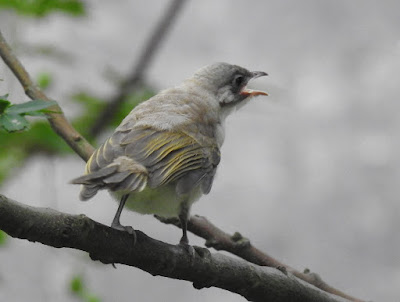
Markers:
{"x": 164, "y": 154}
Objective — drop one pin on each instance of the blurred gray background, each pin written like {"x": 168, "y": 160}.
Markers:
{"x": 310, "y": 173}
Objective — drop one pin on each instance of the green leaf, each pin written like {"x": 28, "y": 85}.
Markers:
{"x": 44, "y": 80}
{"x": 4, "y": 104}
{"x": 3, "y": 237}
{"x": 13, "y": 122}
{"x": 76, "y": 285}
{"x": 40, "y": 113}
{"x": 30, "y": 107}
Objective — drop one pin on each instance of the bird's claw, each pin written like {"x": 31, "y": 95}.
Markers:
{"x": 189, "y": 249}
{"x": 126, "y": 228}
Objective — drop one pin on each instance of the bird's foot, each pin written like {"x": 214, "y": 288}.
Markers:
{"x": 188, "y": 249}
{"x": 184, "y": 244}
{"x": 127, "y": 228}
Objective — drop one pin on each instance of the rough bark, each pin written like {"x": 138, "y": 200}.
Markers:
{"x": 203, "y": 269}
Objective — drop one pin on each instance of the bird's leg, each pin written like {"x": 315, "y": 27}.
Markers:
{"x": 183, "y": 218}
{"x": 116, "y": 223}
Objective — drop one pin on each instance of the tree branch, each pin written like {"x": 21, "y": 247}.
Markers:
{"x": 57, "y": 120}
{"x": 108, "y": 245}
{"x": 144, "y": 59}
{"x": 240, "y": 246}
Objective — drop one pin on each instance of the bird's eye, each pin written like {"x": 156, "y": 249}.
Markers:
{"x": 238, "y": 81}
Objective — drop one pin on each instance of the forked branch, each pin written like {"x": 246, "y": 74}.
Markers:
{"x": 57, "y": 120}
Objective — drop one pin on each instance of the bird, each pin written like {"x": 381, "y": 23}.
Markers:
{"x": 164, "y": 155}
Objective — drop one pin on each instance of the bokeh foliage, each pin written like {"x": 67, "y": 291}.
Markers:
{"x": 41, "y": 8}
{"x": 40, "y": 138}
{"x": 79, "y": 289}
{"x": 35, "y": 135}
{"x": 3, "y": 238}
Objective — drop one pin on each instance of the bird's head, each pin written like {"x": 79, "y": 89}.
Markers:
{"x": 228, "y": 83}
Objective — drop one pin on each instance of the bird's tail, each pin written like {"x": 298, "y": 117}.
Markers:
{"x": 123, "y": 174}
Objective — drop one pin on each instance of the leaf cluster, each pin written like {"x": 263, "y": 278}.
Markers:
{"x": 12, "y": 116}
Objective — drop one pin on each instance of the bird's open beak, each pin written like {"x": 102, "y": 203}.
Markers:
{"x": 250, "y": 92}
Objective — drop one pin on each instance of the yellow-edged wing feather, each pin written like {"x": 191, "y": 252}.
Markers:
{"x": 167, "y": 155}
{"x": 133, "y": 158}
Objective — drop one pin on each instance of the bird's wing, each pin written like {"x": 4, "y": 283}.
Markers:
{"x": 169, "y": 155}
{"x": 133, "y": 158}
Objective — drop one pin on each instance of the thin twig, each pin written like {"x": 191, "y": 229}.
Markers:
{"x": 240, "y": 246}
{"x": 57, "y": 120}
{"x": 149, "y": 50}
